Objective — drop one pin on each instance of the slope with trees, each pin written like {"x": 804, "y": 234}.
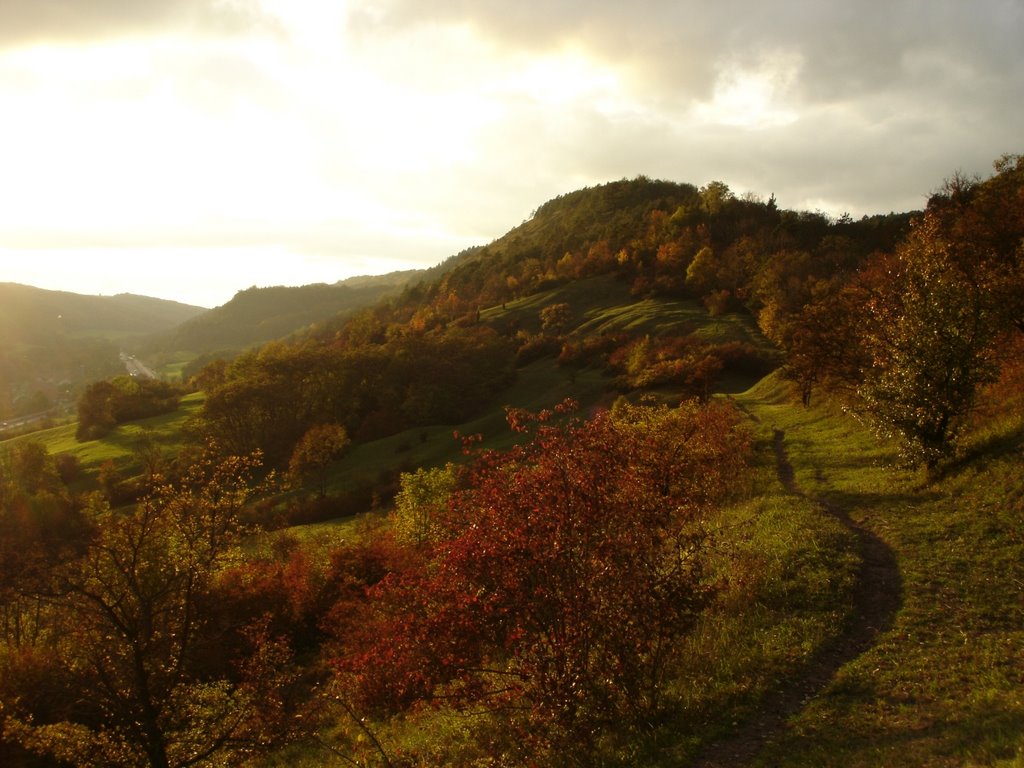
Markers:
{"x": 257, "y": 315}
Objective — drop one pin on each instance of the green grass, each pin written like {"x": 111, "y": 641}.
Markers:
{"x": 119, "y": 445}
{"x": 319, "y": 539}
{"x": 542, "y": 384}
{"x": 600, "y": 304}
{"x": 667, "y": 316}
{"x": 584, "y": 297}
{"x": 172, "y": 368}
{"x": 945, "y": 685}
{"x": 604, "y": 305}
{"x": 788, "y": 574}
{"x": 785, "y": 573}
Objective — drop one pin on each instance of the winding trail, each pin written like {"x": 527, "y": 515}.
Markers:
{"x": 877, "y": 599}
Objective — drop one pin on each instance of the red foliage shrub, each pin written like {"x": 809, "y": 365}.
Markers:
{"x": 575, "y": 571}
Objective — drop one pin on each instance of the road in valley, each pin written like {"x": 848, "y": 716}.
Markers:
{"x": 17, "y": 423}
{"x": 137, "y": 368}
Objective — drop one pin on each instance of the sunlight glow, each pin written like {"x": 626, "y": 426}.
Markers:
{"x": 171, "y": 273}
{"x": 753, "y": 98}
{"x": 559, "y": 79}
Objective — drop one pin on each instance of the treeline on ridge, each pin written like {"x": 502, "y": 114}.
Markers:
{"x": 429, "y": 357}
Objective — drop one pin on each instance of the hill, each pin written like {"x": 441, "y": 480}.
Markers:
{"x": 257, "y": 315}
{"x": 692, "y": 564}
{"x": 654, "y": 287}
{"x": 29, "y": 315}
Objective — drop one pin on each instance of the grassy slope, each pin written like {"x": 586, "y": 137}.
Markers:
{"x": 786, "y": 575}
{"x": 598, "y": 304}
{"x": 119, "y": 445}
{"x": 539, "y": 385}
{"x": 603, "y": 304}
{"x": 945, "y": 684}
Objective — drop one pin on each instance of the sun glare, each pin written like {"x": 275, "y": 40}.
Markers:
{"x": 562, "y": 78}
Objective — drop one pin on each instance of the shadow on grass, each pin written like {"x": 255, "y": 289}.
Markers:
{"x": 986, "y": 732}
{"x": 850, "y": 500}
{"x": 991, "y": 447}
{"x": 877, "y": 599}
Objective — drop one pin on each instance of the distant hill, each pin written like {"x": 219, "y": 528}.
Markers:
{"x": 52, "y": 342}
{"x": 28, "y": 313}
{"x": 257, "y": 315}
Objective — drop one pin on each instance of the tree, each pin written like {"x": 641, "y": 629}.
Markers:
{"x": 150, "y": 455}
{"x": 931, "y": 342}
{"x": 105, "y": 404}
{"x": 555, "y": 318}
{"x": 984, "y": 222}
{"x": 702, "y": 272}
{"x": 572, "y": 568}
{"x": 714, "y": 196}
{"x": 322, "y": 444}
{"x": 421, "y": 503}
{"x": 41, "y": 525}
{"x": 823, "y": 341}
{"x": 248, "y": 413}
{"x": 96, "y": 411}
{"x": 138, "y": 611}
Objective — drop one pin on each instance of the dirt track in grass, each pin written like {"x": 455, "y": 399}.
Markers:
{"x": 877, "y": 599}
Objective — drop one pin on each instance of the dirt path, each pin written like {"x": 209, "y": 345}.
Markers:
{"x": 878, "y": 598}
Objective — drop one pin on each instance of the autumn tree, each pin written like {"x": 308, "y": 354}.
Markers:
{"x": 984, "y": 223}
{"x": 41, "y": 525}
{"x": 823, "y": 340}
{"x": 573, "y": 568}
{"x": 421, "y": 503}
{"x": 322, "y": 444}
{"x": 96, "y": 411}
{"x": 105, "y": 404}
{"x": 931, "y": 335}
{"x": 555, "y": 318}
{"x": 940, "y": 313}
{"x": 138, "y": 618}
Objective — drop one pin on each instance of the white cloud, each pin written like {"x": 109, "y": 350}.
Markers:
{"x": 406, "y": 130}
{"x": 753, "y": 97}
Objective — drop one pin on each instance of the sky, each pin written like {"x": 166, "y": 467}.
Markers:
{"x": 188, "y": 149}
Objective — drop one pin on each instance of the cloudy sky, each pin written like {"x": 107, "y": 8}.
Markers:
{"x": 187, "y": 149}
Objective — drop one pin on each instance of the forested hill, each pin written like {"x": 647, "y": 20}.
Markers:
{"x": 636, "y": 286}
{"x": 664, "y": 239}
{"x": 608, "y": 560}
{"x": 257, "y": 315}
{"x": 34, "y": 314}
